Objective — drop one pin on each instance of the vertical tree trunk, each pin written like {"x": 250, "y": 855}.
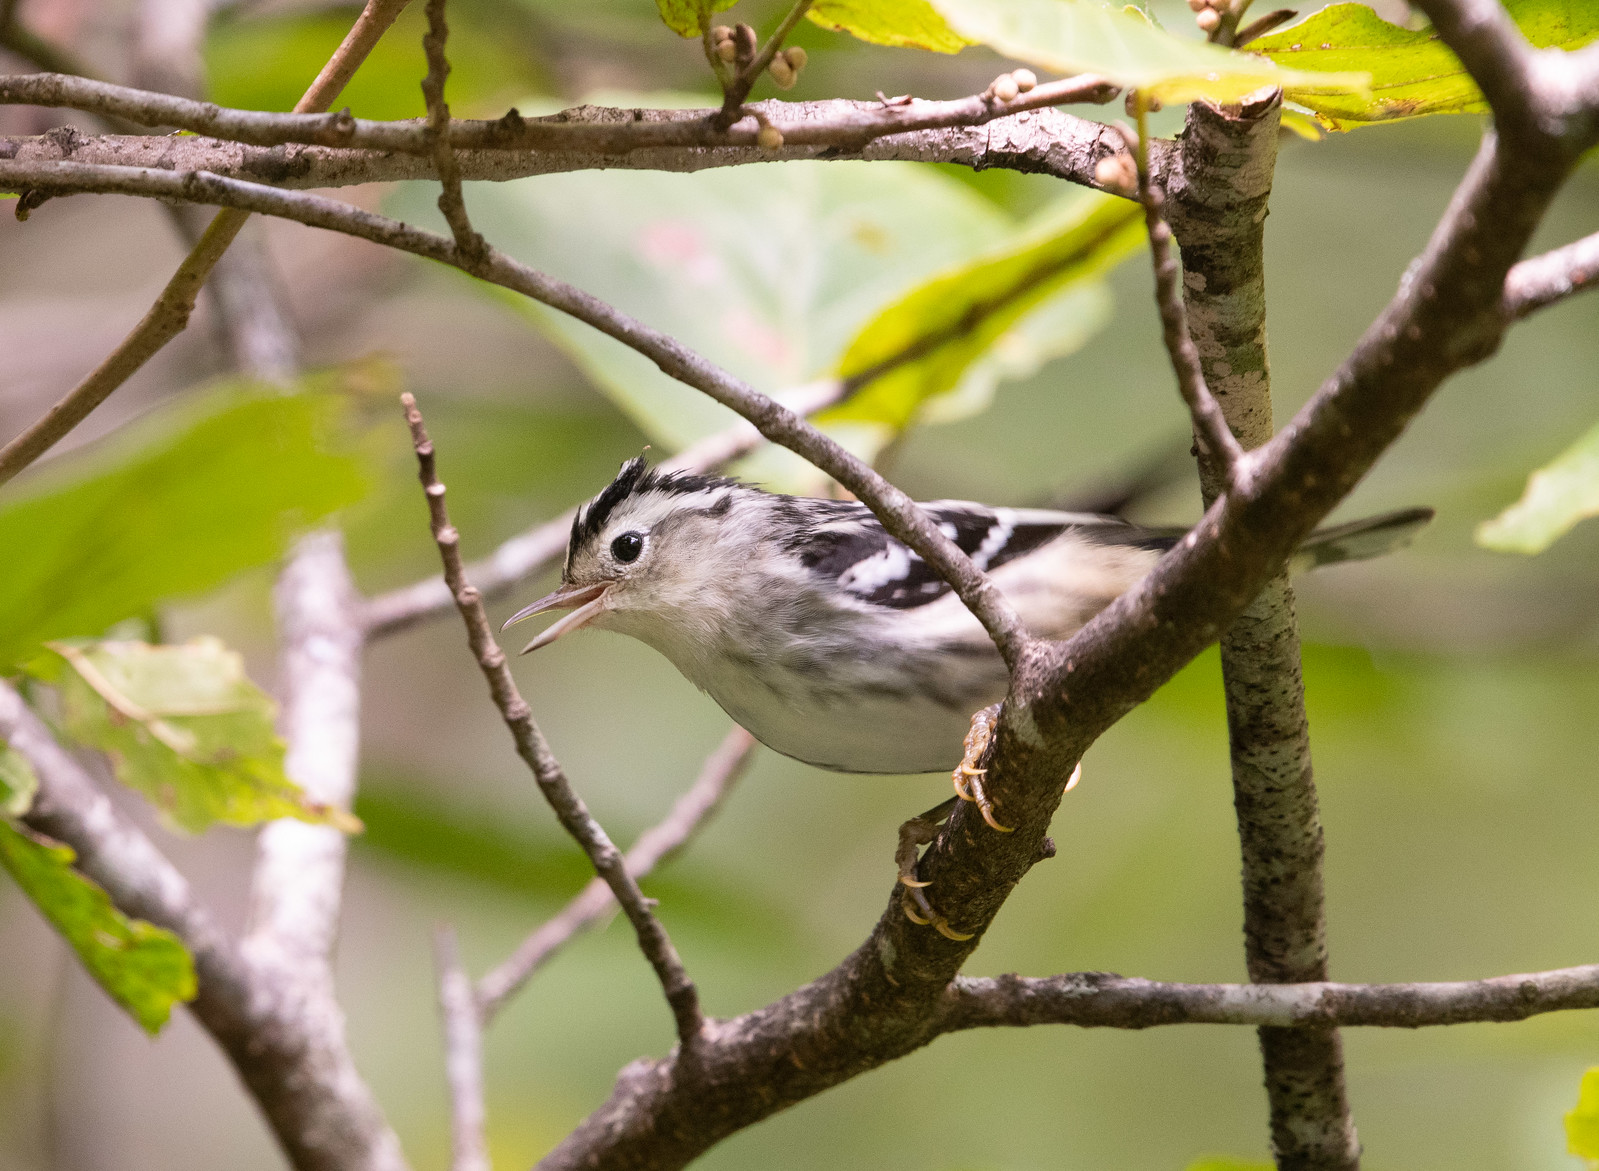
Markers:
{"x": 1219, "y": 188}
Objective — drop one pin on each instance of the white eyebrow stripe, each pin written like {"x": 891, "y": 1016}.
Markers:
{"x": 998, "y": 536}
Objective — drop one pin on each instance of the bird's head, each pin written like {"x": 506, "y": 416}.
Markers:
{"x": 641, "y": 551}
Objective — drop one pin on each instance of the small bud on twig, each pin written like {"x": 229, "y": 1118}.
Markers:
{"x": 1004, "y": 88}
{"x": 796, "y": 57}
{"x": 1117, "y": 173}
{"x": 1209, "y": 20}
{"x": 769, "y": 137}
{"x": 1025, "y": 79}
{"x": 782, "y": 73}
{"x": 744, "y": 44}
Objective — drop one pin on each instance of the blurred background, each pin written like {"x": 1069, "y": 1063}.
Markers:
{"x": 1453, "y": 692}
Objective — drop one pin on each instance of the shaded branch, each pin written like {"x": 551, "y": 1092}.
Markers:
{"x": 1104, "y": 1000}
{"x": 436, "y": 133}
{"x": 169, "y": 316}
{"x": 660, "y": 842}
{"x": 289, "y": 1053}
{"x": 463, "y": 1057}
{"x": 535, "y": 752}
{"x": 1541, "y": 281}
{"x": 586, "y": 130}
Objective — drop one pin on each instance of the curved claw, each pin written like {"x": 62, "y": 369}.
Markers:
{"x": 943, "y": 928}
{"x": 959, "y": 781}
{"x": 914, "y": 884}
{"x": 986, "y": 807}
{"x": 906, "y": 905}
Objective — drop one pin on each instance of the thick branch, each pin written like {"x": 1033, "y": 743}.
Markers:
{"x": 291, "y": 1056}
{"x": 655, "y": 845}
{"x": 532, "y": 748}
{"x": 1219, "y": 213}
{"x": 1541, "y": 281}
{"x": 1102, "y": 1000}
{"x": 169, "y": 316}
{"x": 584, "y": 130}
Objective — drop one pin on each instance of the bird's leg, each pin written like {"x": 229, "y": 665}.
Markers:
{"x": 920, "y": 831}
{"x": 967, "y": 777}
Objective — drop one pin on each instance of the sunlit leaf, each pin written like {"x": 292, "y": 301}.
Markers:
{"x": 265, "y": 62}
{"x": 1412, "y": 73}
{"x": 1557, "y": 497}
{"x": 1582, "y": 1123}
{"x": 144, "y": 968}
{"x": 767, "y": 270}
{"x": 184, "y": 726}
{"x": 1086, "y": 36}
{"x": 913, "y": 24}
{"x": 18, "y": 783}
{"x": 690, "y": 18}
{"x": 960, "y": 314}
{"x": 174, "y": 506}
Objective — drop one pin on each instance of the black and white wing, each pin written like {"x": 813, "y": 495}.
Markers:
{"x": 845, "y": 543}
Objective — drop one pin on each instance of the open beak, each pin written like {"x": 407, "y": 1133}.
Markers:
{"x": 588, "y": 600}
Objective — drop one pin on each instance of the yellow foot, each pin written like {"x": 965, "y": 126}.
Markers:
{"x": 920, "y": 831}
{"x": 967, "y": 777}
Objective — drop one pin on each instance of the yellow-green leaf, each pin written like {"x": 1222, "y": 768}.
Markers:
{"x": 1086, "y": 36}
{"x": 17, "y": 782}
{"x": 175, "y": 505}
{"x": 182, "y": 725}
{"x": 1582, "y": 1123}
{"x": 913, "y": 24}
{"x": 953, "y": 319}
{"x": 1557, "y": 497}
{"x": 144, "y": 968}
{"x": 690, "y": 18}
{"x": 1413, "y": 72}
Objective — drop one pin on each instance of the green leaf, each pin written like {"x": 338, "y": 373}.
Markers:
{"x": 17, "y": 782}
{"x": 144, "y": 968}
{"x": 174, "y": 506}
{"x": 960, "y": 314}
{"x": 690, "y": 18}
{"x": 1582, "y": 1123}
{"x": 265, "y": 62}
{"x": 1123, "y": 45}
{"x": 1557, "y": 497}
{"x": 1412, "y": 73}
{"x": 183, "y": 726}
{"x": 913, "y": 24}
{"x": 767, "y": 270}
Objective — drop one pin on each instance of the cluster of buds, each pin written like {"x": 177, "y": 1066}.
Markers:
{"x": 1007, "y": 86}
{"x": 768, "y": 137}
{"x": 786, "y": 65}
{"x": 735, "y": 46}
{"x": 1207, "y": 14}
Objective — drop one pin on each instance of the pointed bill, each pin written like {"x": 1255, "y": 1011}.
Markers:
{"x": 588, "y": 600}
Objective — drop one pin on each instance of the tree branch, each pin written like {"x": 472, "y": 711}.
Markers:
{"x": 290, "y": 1055}
{"x": 1104, "y": 1000}
{"x": 1219, "y": 214}
{"x": 663, "y": 841}
{"x": 169, "y": 316}
{"x": 436, "y": 133}
{"x": 1541, "y": 281}
{"x": 463, "y": 1057}
{"x": 535, "y": 752}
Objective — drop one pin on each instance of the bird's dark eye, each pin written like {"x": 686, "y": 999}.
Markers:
{"x": 628, "y": 546}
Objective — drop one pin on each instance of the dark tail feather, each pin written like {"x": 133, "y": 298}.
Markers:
{"x": 1360, "y": 539}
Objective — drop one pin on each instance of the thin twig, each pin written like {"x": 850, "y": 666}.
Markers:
{"x": 587, "y": 129}
{"x": 533, "y": 749}
{"x": 736, "y": 90}
{"x": 1542, "y": 280}
{"x": 689, "y": 814}
{"x": 169, "y": 316}
{"x": 451, "y": 201}
{"x": 463, "y": 1056}
{"x": 1209, "y": 422}
{"x": 900, "y": 515}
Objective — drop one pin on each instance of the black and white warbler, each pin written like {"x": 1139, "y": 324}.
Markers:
{"x": 829, "y": 640}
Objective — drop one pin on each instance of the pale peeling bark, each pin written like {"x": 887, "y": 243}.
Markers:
{"x": 1219, "y": 203}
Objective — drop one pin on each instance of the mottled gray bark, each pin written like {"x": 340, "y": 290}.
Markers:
{"x": 1221, "y": 183}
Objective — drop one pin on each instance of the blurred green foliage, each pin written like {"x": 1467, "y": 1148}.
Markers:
{"x": 184, "y": 726}
{"x": 1582, "y": 1123}
{"x": 1412, "y": 73}
{"x": 1557, "y": 497}
{"x": 172, "y": 506}
{"x": 912, "y": 24}
{"x": 144, "y": 969}
{"x": 17, "y": 782}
